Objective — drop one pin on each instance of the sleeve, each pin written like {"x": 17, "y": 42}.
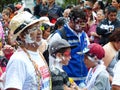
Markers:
{"x": 15, "y": 74}
{"x": 66, "y": 79}
{"x": 102, "y": 82}
{"x": 116, "y": 71}
{"x": 101, "y": 29}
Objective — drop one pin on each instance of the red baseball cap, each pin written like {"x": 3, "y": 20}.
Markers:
{"x": 96, "y": 50}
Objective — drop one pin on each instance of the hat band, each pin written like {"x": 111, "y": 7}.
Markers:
{"x": 20, "y": 28}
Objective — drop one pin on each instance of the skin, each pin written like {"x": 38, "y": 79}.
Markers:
{"x": 111, "y": 46}
{"x": 73, "y": 24}
{"x": 87, "y": 3}
{"x": 65, "y": 61}
{"x": 115, "y": 3}
{"x": 46, "y": 33}
{"x": 112, "y": 16}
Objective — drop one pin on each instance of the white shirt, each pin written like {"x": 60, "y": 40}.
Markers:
{"x": 20, "y": 72}
{"x": 116, "y": 71}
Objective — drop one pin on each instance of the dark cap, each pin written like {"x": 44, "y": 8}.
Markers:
{"x": 59, "y": 44}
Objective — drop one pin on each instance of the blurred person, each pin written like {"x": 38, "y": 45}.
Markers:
{"x": 44, "y": 12}
{"x": 116, "y": 80}
{"x": 116, "y": 3}
{"x": 111, "y": 49}
{"x": 61, "y": 21}
{"x": 54, "y": 11}
{"x": 98, "y": 5}
{"x": 6, "y": 20}
{"x": 108, "y": 25}
{"x": 93, "y": 36}
{"x": 66, "y": 14}
{"x": 90, "y": 18}
{"x": 26, "y": 60}
{"x": 75, "y": 35}
{"x": 98, "y": 77}
{"x": 11, "y": 8}
{"x": 88, "y": 3}
{"x": 45, "y": 31}
{"x": 60, "y": 49}
{"x": 42, "y": 42}
{"x": 38, "y": 7}
{"x": 2, "y": 36}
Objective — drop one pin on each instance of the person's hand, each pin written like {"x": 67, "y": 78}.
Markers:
{"x": 74, "y": 86}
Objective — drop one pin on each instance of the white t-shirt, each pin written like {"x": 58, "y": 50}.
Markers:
{"x": 20, "y": 72}
{"x": 116, "y": 71}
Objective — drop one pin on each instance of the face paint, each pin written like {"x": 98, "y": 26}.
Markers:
{"x": 67, "y": 53}
{"x": 28, "y": 39}
{"x": 79, "y": 24}
{"x": 39, "y": 43}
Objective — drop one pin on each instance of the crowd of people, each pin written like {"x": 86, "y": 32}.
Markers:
{"x": 51, "y": 48}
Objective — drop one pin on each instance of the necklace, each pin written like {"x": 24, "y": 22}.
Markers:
{"x": 38, "y": 74}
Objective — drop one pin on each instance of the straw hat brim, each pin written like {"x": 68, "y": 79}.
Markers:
{"x": 18, "y": 33}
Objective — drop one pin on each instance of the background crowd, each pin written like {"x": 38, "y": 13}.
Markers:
{"x": 51, "y": 48}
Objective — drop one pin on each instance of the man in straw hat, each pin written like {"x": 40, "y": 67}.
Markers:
{"x": 27, "y": 69}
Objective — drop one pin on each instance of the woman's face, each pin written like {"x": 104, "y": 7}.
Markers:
{"x": 5, "y": 17}
{"x": 115, "y": 3}
{"x": 46, "y": 33}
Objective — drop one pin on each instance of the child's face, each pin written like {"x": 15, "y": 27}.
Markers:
{"x": 66, "y": 57}
{"x": 88, "y": 62}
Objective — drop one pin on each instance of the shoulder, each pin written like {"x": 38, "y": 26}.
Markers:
{"x": 103, "y": 76}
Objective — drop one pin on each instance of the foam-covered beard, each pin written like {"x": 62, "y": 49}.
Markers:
{"x": 29, "y": 40}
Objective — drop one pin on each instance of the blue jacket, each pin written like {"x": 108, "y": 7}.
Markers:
{"x": 76, "y": 66}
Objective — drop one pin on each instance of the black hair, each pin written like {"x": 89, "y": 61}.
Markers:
{"x": 118, "y": 1}
{"x": 77, "y": 13}
{"x": 100, "y": 3}
{"x": 12, "y": 7}
{"x": 28, "y": 10}
{"x": 112, "y": 9}
{"x": 46, "y": 26}
{"x": 60, "y": 22}
{"x": 44, "y": 11}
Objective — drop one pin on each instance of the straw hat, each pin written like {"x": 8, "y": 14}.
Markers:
{"x": 20, "y": 22}
{"x": 46, "y": 20}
